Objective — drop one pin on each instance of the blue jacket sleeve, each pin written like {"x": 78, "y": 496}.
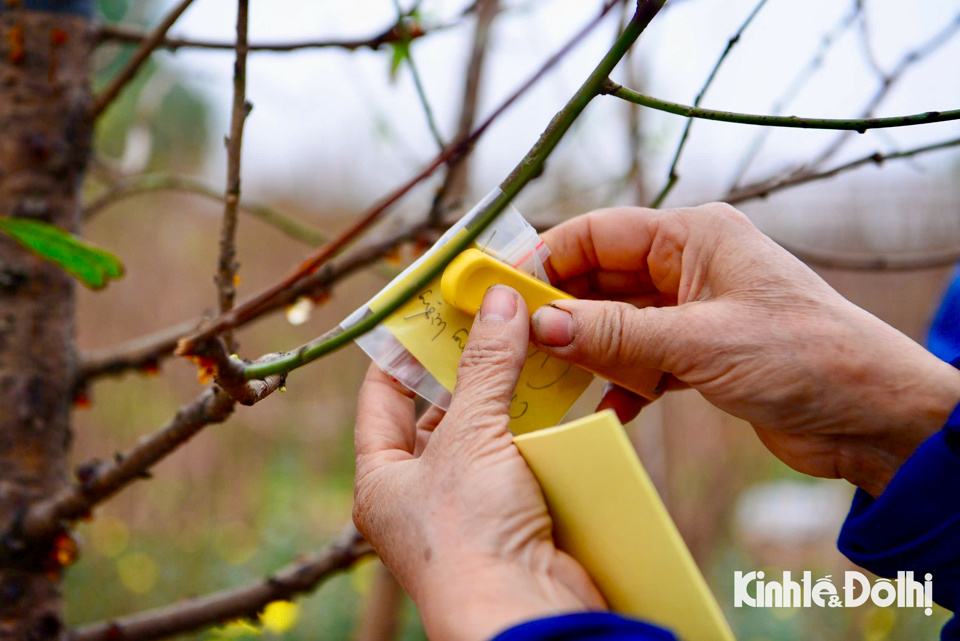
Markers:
{"x": 585, "y": 626}
{"x": 915, "y": 524}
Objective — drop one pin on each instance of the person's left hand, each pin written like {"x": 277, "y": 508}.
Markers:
{"x": 449, "y": 504}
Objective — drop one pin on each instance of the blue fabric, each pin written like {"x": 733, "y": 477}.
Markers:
{"x": 585, "y": 626}
{"x": 76, "y": 7}
{"x": 915, "y": 524}
{"x": 943, "y": 339}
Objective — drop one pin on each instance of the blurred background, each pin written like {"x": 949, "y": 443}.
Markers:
{"x": 332, "y": 130}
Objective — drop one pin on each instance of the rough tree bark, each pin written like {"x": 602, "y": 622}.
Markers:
{"x": 44, "y": 142}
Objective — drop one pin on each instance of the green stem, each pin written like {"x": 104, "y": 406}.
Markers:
{"x": 858, "y": 125}
{"x": 529, "y": 168}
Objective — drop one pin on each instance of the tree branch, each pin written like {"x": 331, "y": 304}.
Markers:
{"x": 127, "y": 35}
{"x": 240, "y": 603}
{"x": 887, "y": 82}
{"x": 672, "y": 176}
{"x": 764, "y": 189}
{"x": 799, "y": 81}
{"x": 874, "y": 262}
{"x": 147, "y": 46}
{"x": 417, "y": 83}
{"x": 97, "y": 481}
{"x": 454, "y": 185}
{"x": 147, "y": 352}
{"x": 843, "y": 124}
{"x": 529, "y": 168}
{"x": 150, "y": 183}
{"x": 313, "y": 262}
{"x": 227, "y": 264}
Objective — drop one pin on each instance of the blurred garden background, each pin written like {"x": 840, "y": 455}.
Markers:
{"x": 332, "y": 130}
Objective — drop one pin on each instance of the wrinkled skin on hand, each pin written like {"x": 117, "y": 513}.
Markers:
{"x": 449, "y": 504}
{"x": 701, "y": 295}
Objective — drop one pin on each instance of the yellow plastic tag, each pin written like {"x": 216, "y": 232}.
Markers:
{"x": 608, "y": 516}
{"x": 435, "y": 333}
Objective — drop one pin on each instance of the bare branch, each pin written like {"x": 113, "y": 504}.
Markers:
{"x": 227, "y": 264}
{"x": 764, "y": 189}
{"x": 240, "y": 603}
{"x": 859, "y": 125}
{"x": 150, "y": 183}
{"x": 147, "y": 46}
{"x": 147, "y": 352}
{"x": 887, "y": 82}
{"x": 874, "y": 262}
{"x": 458, "y": 147}
{"x": 793, "y": 90}
{"x": 97, "y": 481}
{"x": 454, "y": 185}
{"x": 417, "y": 83}
{"x": 127, "y": 35}
{"x": 672, "y": 176}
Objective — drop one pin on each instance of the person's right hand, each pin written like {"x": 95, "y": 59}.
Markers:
{"x": 711, "y": 301}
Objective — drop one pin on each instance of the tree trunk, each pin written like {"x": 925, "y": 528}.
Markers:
{"x": 44, "y": 142}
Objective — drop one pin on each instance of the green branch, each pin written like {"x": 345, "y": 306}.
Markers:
{"x": 529, "y": 168}
{"x": 842, "y": 124}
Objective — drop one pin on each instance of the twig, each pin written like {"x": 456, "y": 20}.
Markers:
{"x": 97, "y": 481}
{"x": 874, "y": 262}
{"x": 458, "y": 147}
{"x": 865, "y": 45}
{"x": 793, "y": 90}
{"x": 529, "y": 168}
{"x": 454, "y": 185}
{"x": 672, "y": 175}
{"x": 762, "y": 190}
{"x": 147, "y": 46}
{"x": 147, "y": 352}
{"x": 150, "y": 183}
{"x": 859, "y": 125}
{"x": 240, "y": 603}
{"x": 127, "y": 35}
{"x": 887, "y": 81}
{"x": 417, "y": 83}
{"x": 227, "y": 263}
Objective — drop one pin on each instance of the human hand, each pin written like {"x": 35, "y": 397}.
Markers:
{"x": 708, "y": 299}
{"x": 449, "y": 504}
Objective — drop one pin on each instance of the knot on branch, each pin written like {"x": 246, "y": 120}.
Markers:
{"x": 229, "y": 372}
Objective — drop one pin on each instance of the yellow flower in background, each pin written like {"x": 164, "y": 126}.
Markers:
{"x": 280, "y": 616}
{"x": 137, "y": 572}
{"x": 235, "y": 630}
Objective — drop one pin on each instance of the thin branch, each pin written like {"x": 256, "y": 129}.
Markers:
{"x": 421, "y": 93}
{"x": 97, "y": 481}
{"x": 127, "y": 35}
{"x": 530, "y": 167}
{"x": 865, "y": 45}
{"x": 151, "y": 183}
{"x": 764, "y": 189}
{"x": 240, "y": 603}
{"x": 672, "y": 175}
{"x": 804, "y": 75}
{"x": 454, "y": 185}
{"x": 887, "y": 82}
{"x": 458, "y": 147}
{"x": 227, "y": 264}
{"x": 874, "y": 262}
{"x": 147, "y": 46}
{"x": 147, "y": 352}
{"x": 842, "y": 124}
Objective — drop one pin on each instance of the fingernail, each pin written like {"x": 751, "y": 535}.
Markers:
{"x": 499, "y": 304}
{"x": 553, "y": 326}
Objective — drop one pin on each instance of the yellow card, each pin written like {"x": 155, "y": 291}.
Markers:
{"x": 435, "y": 333}
{"x": 608, "y": 516}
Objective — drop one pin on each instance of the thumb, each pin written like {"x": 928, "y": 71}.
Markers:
{"x": 621, "y": 343}
{"x": 490, "y": 364}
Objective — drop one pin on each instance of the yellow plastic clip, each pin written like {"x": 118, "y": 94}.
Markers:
{"x": 468, "y": 277}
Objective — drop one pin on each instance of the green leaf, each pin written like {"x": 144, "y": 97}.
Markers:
{"x": 90, "y": 265}
{"x": 401, "y": 52}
